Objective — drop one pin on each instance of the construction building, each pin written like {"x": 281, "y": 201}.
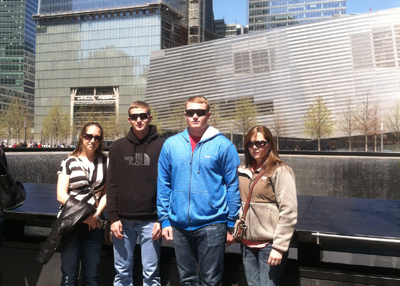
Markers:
{"x": 201, "y": 21}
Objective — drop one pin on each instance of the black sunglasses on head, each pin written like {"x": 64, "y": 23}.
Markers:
{"x": 199, "y": 112}
{"x": 135, "y": 116}
{"x": 258, "y": 144}
{"x": 89, "y": 137}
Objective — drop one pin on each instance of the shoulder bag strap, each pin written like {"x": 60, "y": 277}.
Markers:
{"x": 90, "y": 184}
{"x": 247, "y": 205}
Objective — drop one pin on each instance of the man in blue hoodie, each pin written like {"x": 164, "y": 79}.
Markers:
{"x": 198, "y": 199}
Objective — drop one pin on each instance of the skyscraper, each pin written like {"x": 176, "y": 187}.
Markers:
{"x": 201, "y": 21}
{"x": 279, "y": 13}
{"x": 93, "y": 56}
{"x": 17, "y": 52}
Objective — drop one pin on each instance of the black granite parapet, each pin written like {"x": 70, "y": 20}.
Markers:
{"x": 369, "y": 177}
{"x": 365, "y": 175}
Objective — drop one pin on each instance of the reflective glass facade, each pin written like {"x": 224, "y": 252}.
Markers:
{"x": 17, "y": 50}
{"x": 80, "y": 55}
{"x": 273, "y": 14}
{"x": 48, "y": 7}
{"x": 285, "y": 70}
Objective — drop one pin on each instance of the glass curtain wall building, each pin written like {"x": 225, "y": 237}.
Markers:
{"x": 48, "y": 7}
{"x": 17, "y": 52}
{"x": 93, "y": 56}
{"x": 284, "y": 70}
{"x": 265, "y": 14}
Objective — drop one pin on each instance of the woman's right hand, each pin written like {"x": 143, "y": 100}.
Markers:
{"x": 92, "y": 222}
{"x": 275, "y": 257}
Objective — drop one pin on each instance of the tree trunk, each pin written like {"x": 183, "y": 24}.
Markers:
{"x": 350, "y": 143}
{"x": 374, "y": 143}
{"x": 319, "y": 145}
{"x": 366, "y": 143}
{"x": 277, "y": 143}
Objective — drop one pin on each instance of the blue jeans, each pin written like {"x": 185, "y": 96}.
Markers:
{"x": 201, "y": 250}
{"x": 256, "y": 268}
{"x": 124, "y": 253}
{"x": 87, "y": 251}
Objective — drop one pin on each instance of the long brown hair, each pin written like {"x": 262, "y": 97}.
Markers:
{"x": 273, "y": 157}
{"x": 79, "y": 147}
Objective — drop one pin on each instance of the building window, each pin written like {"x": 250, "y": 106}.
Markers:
{"x": 255, "y": 61}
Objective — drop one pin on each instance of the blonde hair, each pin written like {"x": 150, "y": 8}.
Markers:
{"x": 198, "y": 99}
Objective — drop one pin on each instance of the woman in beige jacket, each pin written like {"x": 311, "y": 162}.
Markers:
{"x": 272, "y": 214}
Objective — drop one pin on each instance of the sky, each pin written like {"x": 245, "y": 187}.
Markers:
{"x": 235, "y": 11}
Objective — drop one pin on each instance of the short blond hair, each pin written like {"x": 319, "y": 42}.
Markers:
{"x": 198, "y": 99}
{"x": 139, "y": 104}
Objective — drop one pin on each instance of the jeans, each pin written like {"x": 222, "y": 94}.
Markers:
{"x": 1, "y": 234}
{"x": 201, "y": 250}
{"x": 124, "y": 253}
{"x": 256, "y": 268}
{"x": 87, "y": 251}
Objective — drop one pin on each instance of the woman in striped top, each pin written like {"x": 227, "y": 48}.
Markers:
{"x": 84, "y": 169}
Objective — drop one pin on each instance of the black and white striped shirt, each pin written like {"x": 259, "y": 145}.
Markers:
{"x": 79, "y": 181}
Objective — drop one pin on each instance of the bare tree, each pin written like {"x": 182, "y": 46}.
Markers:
{"x": 55, "y": 123}
{"x": 155, "y": 121}
{"x": 108, "y": 124}
{"x": 393, "y": 122}
{"x": 66, "y": 128}
{"x": 347, "y": 121}
{"x": 375, "y": 130}
{"x": 365, "y": 118}
{"x": 278, "y": 126}
{"x": 317, "y": 121}
{"x": 122, "y": 126}
{"x": 178, "y": 118}
{"x": 14, "y": 119}
{"x": 246, "y": 115}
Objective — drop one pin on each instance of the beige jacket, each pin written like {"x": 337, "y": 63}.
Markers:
{"x": 272, "y": 214}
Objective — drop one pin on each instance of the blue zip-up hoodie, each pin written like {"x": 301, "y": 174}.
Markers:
{"x": 200, "y": 188}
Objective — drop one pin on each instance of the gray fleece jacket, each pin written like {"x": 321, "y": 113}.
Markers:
{"x": 272, "y": 214}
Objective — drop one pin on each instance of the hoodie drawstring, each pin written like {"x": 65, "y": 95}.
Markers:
{"x": 201, "y": 146}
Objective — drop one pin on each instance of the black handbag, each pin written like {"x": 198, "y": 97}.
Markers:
{"x": 12, "y": 193}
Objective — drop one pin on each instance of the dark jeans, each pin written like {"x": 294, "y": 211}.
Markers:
{"x": 201, "y": 250}
{"x": 1, "y": 229}
{"x": 84, "y": 250}
{"x": 1, "y": 236}
{"x": 256, "y": 268}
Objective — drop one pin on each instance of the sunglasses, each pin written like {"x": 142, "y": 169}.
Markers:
{"x": 135, "y": 116}
{"x": 258, "y": 144}
{"x": 89, "y": 137}
{"x": 199, "y": 112}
